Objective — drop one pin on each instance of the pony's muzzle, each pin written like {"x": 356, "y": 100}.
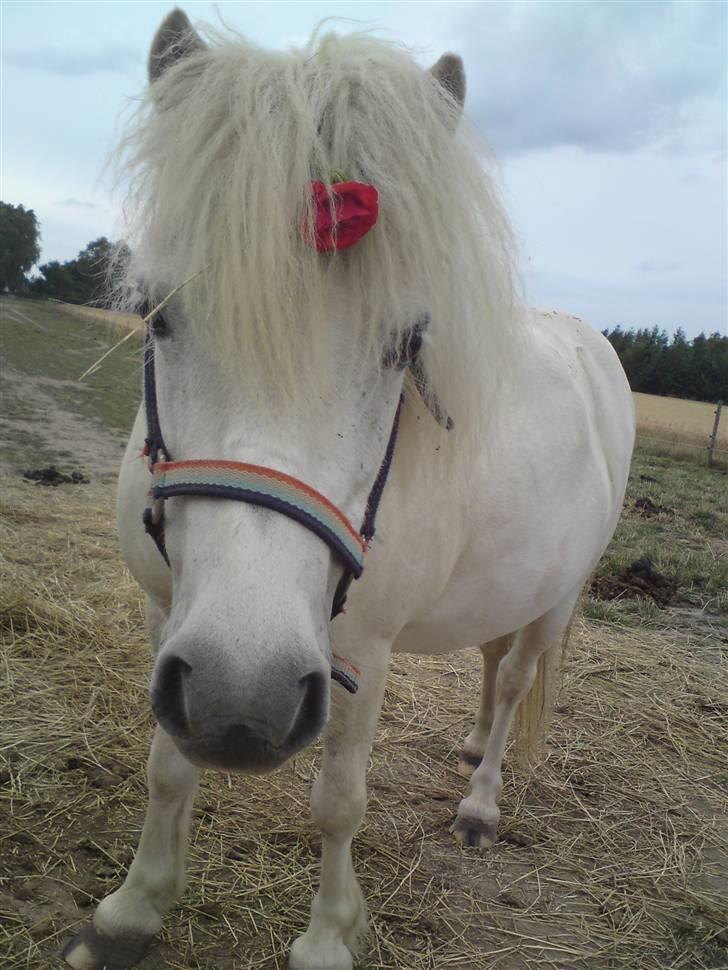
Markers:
{"x": 224, "y": 719}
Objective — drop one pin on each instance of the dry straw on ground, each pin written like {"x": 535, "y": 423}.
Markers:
{"x": 612, "y": 853}
{"x": 121, "y": 321}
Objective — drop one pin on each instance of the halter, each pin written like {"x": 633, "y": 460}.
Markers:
{"x": 272, "y": 489}
{"x": 260, "y": 485}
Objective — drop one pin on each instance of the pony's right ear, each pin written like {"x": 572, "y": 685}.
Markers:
{"x": 176, "y": 38}
{"x": 450, "y": 75}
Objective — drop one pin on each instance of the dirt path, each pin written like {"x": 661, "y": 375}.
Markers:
{"x": 36, "y": 429}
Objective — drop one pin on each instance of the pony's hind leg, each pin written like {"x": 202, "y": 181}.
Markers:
{"x": 338, "y": 800}
{"x": 126, "y": 921}
{"x": 477, "y": 818}
{"x": 474, "y": 745}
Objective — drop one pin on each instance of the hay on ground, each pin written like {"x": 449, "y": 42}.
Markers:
{"x": 612, "y": 853}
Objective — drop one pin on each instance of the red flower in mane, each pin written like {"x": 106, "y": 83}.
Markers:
{"x": 342, "y": 215}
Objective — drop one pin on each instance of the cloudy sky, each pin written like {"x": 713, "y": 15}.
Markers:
{"x": 608, "y": 117}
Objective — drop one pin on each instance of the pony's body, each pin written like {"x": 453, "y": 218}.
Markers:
{"x": 486, "y": 533}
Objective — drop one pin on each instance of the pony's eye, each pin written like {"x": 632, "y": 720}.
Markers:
{"x": 159, "y": 326}
{"x": 403, "y": 351}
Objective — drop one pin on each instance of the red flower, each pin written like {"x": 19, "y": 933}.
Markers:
{"x": 342, "y": 217}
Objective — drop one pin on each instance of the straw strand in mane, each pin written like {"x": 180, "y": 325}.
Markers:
{"x": 220, "y": 156}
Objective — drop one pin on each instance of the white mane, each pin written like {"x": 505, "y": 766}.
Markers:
{"x": 221, "y": 154}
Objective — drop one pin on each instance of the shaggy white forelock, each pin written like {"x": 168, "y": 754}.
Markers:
{"x": 221, "y": 154}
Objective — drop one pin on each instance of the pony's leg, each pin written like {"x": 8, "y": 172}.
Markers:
{"x": 126, "y": 921}
{"x": 474, "y": 745}
{"x": 477, "y": 818}
{"x": 338, "y": 801}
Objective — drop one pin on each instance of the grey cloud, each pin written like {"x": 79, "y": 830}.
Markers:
{"x": 78, "y": 203}
{"x": 615, "y": 76}
{"x": 114, "y": 59}
{"x": 650, "y": 266}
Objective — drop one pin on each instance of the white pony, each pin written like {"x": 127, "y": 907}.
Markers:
{"x": 275, "y": 354}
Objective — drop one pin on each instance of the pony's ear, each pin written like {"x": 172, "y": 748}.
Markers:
{"x": 450, "y": 74}
{"x": 175, "y": 38}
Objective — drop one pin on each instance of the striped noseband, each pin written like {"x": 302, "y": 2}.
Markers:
{"x": 264, "y": 486}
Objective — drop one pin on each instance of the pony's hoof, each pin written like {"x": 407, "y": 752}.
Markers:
{"x": 304, "y": 957}
{"x": 474, "y": 832}
{"x": 468, "y": 762}
{"x": 91, "y": 950}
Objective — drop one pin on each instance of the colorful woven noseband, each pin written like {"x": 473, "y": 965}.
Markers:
{"x": 264, "y": 486}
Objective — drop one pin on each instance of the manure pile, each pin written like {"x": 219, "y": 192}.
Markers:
{"x": 613, "y": 852}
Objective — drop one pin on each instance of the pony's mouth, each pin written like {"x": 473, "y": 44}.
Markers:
{"x": 239, "y": 748}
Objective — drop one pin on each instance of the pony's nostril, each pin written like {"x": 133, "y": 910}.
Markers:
{"x": 312, "y": 709}
{"x": 168, "y": 695}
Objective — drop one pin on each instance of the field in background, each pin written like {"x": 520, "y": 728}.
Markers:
{"x": 666, "y": 419}
{"x": 46, "y": 415}
{"x": 679, "y": 427}
{"x": 612, "y": 855}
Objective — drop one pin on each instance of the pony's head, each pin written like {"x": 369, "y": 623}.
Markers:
{"x": 278, "y": 355}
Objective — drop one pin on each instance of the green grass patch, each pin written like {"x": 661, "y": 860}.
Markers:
{"x": 687, "y": 543}
{"x": 43, "y": 340}
{"x": 677, "y": 450}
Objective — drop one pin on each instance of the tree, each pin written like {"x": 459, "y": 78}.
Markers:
{"x": 696, "y": 369}
{"x": 19, "y": 249}
{"x": 80, "y": 280}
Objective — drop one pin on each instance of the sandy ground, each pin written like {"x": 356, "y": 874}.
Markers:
{"x": 81, "y": 443}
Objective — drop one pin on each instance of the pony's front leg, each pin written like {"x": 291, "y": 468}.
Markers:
{"x": 338, "y": 802}
{"x": 126, "y": 921}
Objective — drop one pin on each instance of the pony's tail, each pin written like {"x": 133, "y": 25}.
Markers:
{"x": 533, "y": 716}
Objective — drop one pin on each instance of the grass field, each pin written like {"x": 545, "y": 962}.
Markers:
{"x": 675, "y": 427}
{"x": 45, "y": 413}
{"x": 613, "y": 852}
{"x": 56, "y": 343}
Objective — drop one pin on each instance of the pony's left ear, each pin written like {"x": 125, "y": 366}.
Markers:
{"x": 176, "y": 38}
{"x": 450, "y": 74}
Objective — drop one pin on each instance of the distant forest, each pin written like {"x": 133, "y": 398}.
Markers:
{"x": 677, "y": 367}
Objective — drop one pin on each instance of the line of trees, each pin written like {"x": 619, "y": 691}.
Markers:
{"x": 676, "y": 367}
{"x": 80, "y": 280}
